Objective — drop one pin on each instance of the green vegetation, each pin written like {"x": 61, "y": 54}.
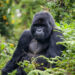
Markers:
{"x": 5, "y": 19}
{"x": 17, "y": 15}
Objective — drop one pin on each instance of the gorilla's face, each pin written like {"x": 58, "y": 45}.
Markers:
{"x": 41, "y": 27}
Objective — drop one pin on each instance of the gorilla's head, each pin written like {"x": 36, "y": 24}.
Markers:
{"x": 42, "y": 25}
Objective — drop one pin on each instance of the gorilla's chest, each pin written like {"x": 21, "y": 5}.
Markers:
{"x": 35, "y": 47}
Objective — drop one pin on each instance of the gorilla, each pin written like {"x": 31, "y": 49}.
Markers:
{"x": 40, "y": 39}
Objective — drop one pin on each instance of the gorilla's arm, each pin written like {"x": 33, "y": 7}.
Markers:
{"x": 19, "y": 52}
{"x": 54, "y": 49}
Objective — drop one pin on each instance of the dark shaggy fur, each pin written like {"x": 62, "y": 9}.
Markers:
{"x": 39, "y": 40}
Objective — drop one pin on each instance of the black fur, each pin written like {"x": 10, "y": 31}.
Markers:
{"x": 46, "y": 40}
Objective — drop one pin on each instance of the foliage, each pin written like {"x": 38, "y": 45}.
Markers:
{"x": 25, "y": 9}
{"x": 6, "y": 26}
{"x": 6, "y": 51}
{"x": 68, "y": 58}
{"x": 16, "y": 15}
{"x": 66, "y": 63}
{"x": 31, "y": 67}
{"x": 62, "y": 10}
{"x": 55, "y": 71}
{"x": 19, "y": 13}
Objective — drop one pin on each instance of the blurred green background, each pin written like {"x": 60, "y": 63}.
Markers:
{"x": 17, "y": 15}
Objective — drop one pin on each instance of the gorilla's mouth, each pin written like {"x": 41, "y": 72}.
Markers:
{"x": 39, "y": 36}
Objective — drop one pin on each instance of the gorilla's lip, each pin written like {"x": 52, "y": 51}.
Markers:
{"x": 39, "y": 36}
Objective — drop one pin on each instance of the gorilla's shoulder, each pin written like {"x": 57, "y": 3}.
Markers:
{"x": 57, "y": 32}
{"x": 26, "y": 34}
{"x": 57, "y": 35}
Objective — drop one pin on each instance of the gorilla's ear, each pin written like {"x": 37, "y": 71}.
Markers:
{"x": 52, "y": 21}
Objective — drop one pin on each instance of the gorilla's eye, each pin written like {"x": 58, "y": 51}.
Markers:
{"x": 39, "y": 21}
{"x": 39, "y": 25}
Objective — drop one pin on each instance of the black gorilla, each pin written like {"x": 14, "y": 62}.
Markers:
{"x": 39, "y": 40}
